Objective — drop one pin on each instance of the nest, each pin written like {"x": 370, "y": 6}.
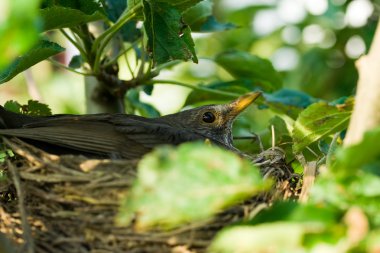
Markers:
{"x": 68, "y": 203}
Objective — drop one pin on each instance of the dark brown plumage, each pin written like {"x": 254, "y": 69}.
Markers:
{"x": 125, "y": 136}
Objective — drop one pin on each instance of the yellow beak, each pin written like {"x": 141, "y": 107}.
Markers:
{"x": 238, "y": 105}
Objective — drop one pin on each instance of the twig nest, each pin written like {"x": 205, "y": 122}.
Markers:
{"x": 69, "y": 203}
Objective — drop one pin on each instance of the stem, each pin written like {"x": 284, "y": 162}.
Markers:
{"x": 122, "y": 52}
{"x": 76, "y": 44}
{"x": 101, "y": 42}
{"x": 194, "y": 87}
{"x": 58, "y": 64}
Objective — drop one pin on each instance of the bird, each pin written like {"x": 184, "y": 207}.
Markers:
{"x": 125, "y": 136}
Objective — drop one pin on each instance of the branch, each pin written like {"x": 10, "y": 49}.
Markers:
{"x": 366, "y": 114}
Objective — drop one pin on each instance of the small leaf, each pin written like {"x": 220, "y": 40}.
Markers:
{"x": 189, "y": 182}
{"x": 144, "y": 109}
{"x": 200, "y": 18}
{"x": 76, "y": 62}
{"x": 70, "y": 13}
{"x": 43, "y": 50}
{"x": 35, "y": 108}
{"x": 320, "y": 120}
{"x": 244, "y": 65}
{"x": 114, "y": 9}
{"x": 168, "y": 37}
{"x": 238, "y": 87}
{"x": 12, "y": 106}
{"x": 286, "y": 101}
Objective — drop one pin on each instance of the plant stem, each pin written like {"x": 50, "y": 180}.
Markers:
{"x": 58, "y": 64}
{"x": 76, "y": 44}
{"x": 101, "y": 42}
{"x": 122, "y": 52}
{"x": 194, "y": 87}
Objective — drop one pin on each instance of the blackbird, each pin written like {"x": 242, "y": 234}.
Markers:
{"x": 122, "y": 135}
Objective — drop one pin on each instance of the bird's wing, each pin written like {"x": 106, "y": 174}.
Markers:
{"x": 115, "y": 136}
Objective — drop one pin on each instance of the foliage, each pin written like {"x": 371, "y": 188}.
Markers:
{"x": 202, "y": 180}
{"x": 32, "y": 108}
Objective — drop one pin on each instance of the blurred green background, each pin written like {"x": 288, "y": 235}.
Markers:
{"x": 312, "y": 43}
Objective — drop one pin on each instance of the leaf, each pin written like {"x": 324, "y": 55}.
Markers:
{"x": 296, "y": 212}
{"x": 58, "y": 16}
{"x": 200, "y": 18}
{"x": 114, "y": 9}
{"x": 168, "y": 37}
{"x": 238, "y": 87}
{"x": 19, "y": 28}
{"x": 355, "y": 156}
{"x": 320, "y": 120}
{"x": 43, "y": 50}
{"x": 272, "y": 237}
{"x": 243, "y": 65}
{"x": 286, "y": 101}
{"x": 33, "y": 108}
{"x": 190, "y": 182}
{"x": 144, "y": 109}
{"x": 76, "y": 62}
{"x": 12, "y": 106}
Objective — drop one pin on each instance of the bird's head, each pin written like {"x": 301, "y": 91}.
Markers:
{"x": 215, "y": 121}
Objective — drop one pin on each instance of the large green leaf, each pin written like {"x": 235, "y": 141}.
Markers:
{"x": 243, "y": 65}
{"x": 190, "y": 182}
{"x": 168, "y": 37}
{"x": 273, "y": 237}
{"x": 43, "y": 50}
{"x": 19, "y": 28}
{"x": 70, "y": 13}
{"x": 320, "y": 120}
{"x": 358, "y": 155}
{"x": 200, "y": 18}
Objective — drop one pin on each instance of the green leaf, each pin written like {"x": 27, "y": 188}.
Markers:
{"x": 296, "y": 212}
{"x": 33, "y": 108}
{"x": 76, "y": 62}
{"x": 43, "y": 50}
{"x": 168, "y": 37}
{"x": 358, "y": 155}
{"x": 239, "y": 87}
{"x": 114, "y": 9}
{"x": 320, "y": 120}
{"x": 243, "y": 65}
{"x": 286, "y": 101}
{"x": 191, "y": 182}
{"x": 12, "y": 106}
{"x": 144, "y": 109}
{"x": 200, "y": 18}
{"x": 271, "y": 237}
{"x": 19, "y": 28}
{"x": 58, "y": 16}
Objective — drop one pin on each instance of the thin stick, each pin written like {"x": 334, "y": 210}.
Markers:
{"x": 308, "y": 180}
{"x": 27, "y": 233}
{"x": 33, "y": 91}
{"x": 273, "y": 137}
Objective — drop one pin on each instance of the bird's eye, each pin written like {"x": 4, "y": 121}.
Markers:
{"x": 208, "y": 117}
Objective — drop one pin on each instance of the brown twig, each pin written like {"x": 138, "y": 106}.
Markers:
{"x": 27, "y": 233}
